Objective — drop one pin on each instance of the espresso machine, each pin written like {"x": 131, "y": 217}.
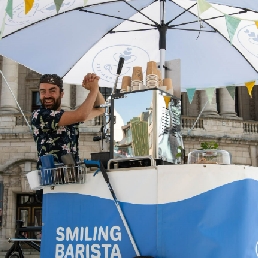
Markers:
{"x": 153, "y": 132}
{"x": 151, "y": 127}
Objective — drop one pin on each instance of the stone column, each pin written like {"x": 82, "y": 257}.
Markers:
{"x": 227, "y": 104}
{"x": 81, "y": 95}
{"x": 10, "y": 71}
{"x": 65, "y": 104}
{"x": 254, "y": 156}
{"x": 211, "y": 108}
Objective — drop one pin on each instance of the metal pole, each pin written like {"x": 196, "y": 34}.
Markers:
{"x": 197, "y": 118}
{"x": 162, "y": 35}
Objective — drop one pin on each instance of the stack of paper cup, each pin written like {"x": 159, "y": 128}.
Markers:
{"x": 159, "y": 77}
{"x": 137, "y": 78}
{"x": 126, "y": 84}
{"x": 168, "y": 83}
{"x": 152, "y": 75}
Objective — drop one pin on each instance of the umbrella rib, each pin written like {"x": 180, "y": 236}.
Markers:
{"x": 141, "y": 12}
{"x": 221, "y": 34}
{"x": 214, "y": 31}
{"x": 116, "y": 17}
{"x": 186, "y": 10}
{"x": 112, "y": 31}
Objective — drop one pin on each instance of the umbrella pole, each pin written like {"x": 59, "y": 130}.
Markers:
{"x": 162, "y": 38}
{"x": 162, "y": 63}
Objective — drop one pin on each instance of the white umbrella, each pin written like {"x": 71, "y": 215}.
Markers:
{"x": 82, "y": 39}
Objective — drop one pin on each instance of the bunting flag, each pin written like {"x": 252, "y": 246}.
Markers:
{"x": 210, "y": 93}
{"x": 232, "y": 91}
{"x": 202, "y": 6}
{"x": 256, "y": 23}
{"x": 9, "y": 8}
{"x": 249, "y": 86}
{"x": 232, "y": 24}
{"x": 58, "y": 4}
{"x": 28, "y": 5}
{"x": 190, "y": 94}
{"x": 85, "y": 2}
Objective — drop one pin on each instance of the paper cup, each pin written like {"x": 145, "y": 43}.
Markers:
{"x": 47, "y": 161}
{"x": 137, "y": 73}
{"x": 128, "y": 89}
{"x": 47, "y": 176}
{"x": 136, "y": 83}
{"x": 152, "y": 77}
{"x": 141, "y": 87}
{"x": 170, "y": 91}
{"x": 135, "y": 88}
{"x": 47, "y": 169}
{"x": 151, "y": 68}
{"x": 34, "y": 179}
{"x": 168, "y": 82}
{"x": 126, "y": 81}
{"x": 159, "y": 77}
{"x": 164, "y": 88}
{"x": 152, "y": 84}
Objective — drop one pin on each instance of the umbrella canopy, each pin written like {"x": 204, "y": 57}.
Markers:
{"x": 217, "y": 49}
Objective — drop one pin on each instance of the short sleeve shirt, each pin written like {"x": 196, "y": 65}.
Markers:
{"x": 51, "y": 138}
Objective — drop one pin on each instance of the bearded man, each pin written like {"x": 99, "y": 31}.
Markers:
{"x": 56, "y": 131}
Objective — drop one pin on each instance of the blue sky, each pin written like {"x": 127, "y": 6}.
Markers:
{"x": 133, "y": 104}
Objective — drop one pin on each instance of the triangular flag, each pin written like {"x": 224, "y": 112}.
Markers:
{"x": 190, "y": 94}
{"x": 202, "y": 6}
{"x": 249, "y": 86}
{"x": 167, "y": 100}
{"x": 28, "y": 5}
{"x": 210, "y": 93}
{"x": 85, "y": 2}
{"x": 9, "y": 8}
{"x": 58, "y": 4}
{"x": 256, "y": 23}
{"x": 232, "y": 24}
{"x": 232, "y": 91}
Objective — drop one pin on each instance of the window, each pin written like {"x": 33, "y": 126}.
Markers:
{"x": 35, "y": 103}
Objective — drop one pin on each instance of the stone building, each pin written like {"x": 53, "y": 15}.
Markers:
{"x": 232, "y": 123}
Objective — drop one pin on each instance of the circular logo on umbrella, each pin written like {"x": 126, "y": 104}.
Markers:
{"x": 248, "y": 37}
{"x": 106, "y": 61}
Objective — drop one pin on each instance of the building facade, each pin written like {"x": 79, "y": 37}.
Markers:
{"x": 232, "y": 123}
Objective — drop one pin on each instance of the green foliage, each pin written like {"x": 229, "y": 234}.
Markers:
{"x": 209, "y": 145}
{"x": 179, "y": 152}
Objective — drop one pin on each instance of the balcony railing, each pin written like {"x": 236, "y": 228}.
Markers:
{"x": 188, "y": 122}
{"x": 250, "y": 127}
{"x": 20, "y": 120}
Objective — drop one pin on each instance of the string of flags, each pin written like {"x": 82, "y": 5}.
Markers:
{"x": 232, "y": 22}
{"x": 210, "y": 91}
{"x": 28, "y": 4}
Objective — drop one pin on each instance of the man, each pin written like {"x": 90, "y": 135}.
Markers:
{"x": 56, "y": 131}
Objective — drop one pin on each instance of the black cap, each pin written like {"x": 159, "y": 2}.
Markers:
{"x": 52, "y": 79}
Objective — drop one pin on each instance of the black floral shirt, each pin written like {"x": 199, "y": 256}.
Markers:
{"x": 51, "y": 138}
